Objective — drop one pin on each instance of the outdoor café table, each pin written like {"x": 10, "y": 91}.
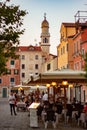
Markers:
{"x": 21, "y": 105}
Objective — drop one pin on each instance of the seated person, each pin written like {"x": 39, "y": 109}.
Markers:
{"x": 26, "y": 101}
{"x": 50, "y": 116}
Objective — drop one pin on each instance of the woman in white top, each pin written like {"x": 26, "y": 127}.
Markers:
{"x": 12, "y": 103}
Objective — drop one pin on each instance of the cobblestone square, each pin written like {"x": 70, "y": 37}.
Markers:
{"x": 21, "y": 121}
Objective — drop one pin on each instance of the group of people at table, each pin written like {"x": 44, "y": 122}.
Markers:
{"x": 49, "y": 110}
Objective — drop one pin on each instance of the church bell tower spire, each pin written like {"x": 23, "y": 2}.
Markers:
{"x": 45, "y": 36}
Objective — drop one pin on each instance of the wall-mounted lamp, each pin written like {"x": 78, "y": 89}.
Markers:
{"x": 65, "y": 82}
{"x": 53, "y": 83}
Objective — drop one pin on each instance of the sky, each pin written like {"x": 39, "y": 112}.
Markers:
{"x": 57, "y": 12}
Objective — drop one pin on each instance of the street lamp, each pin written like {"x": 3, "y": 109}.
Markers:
{"x": 48, "y": 86}
{"x": 70, "y": 86}
{"x": 54, "y": 85}
{"x": 65, "y": 83}
{"x": 37, "y": 86}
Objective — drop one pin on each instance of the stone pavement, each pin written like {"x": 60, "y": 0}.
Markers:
{"x": 21, "y": 121}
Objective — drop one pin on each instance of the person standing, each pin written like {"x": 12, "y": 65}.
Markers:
{"x": 45, "y": 98}
{"x": 12, "y": 103}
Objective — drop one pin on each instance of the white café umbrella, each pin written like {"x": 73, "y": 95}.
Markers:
{"x": 21, "y": 87}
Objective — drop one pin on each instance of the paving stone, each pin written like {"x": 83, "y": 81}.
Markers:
{"x": 21, "y": 121}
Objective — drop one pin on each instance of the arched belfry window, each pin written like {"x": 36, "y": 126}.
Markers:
{"x": 45, "y": 40}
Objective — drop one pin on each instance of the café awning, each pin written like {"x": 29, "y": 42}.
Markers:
{"x": 72, "y": 76}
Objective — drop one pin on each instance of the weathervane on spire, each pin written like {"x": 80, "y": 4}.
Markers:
{"x": 45, "y": 16}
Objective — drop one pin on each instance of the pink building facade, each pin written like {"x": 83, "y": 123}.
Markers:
{"x": 79, "y": 49}
{"x": 12, "y": 77}
{"x": 79, "y": 52}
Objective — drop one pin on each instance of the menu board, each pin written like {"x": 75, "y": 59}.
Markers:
{"x": 33, "y": 114}
{"x": 34, "y": 105}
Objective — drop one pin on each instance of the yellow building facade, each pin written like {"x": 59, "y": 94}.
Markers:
{"x": 64, "y": 49}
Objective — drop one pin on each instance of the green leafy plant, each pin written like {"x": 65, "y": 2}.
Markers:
{"x": 11, "y": 20}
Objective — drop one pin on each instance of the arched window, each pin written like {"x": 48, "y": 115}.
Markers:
{"x": 45, "y": 40}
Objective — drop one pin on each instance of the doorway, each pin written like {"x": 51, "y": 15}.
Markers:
{"x": 4, "y": 92}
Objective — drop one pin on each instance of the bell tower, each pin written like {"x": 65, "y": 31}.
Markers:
{"x": 45, "y": 36}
